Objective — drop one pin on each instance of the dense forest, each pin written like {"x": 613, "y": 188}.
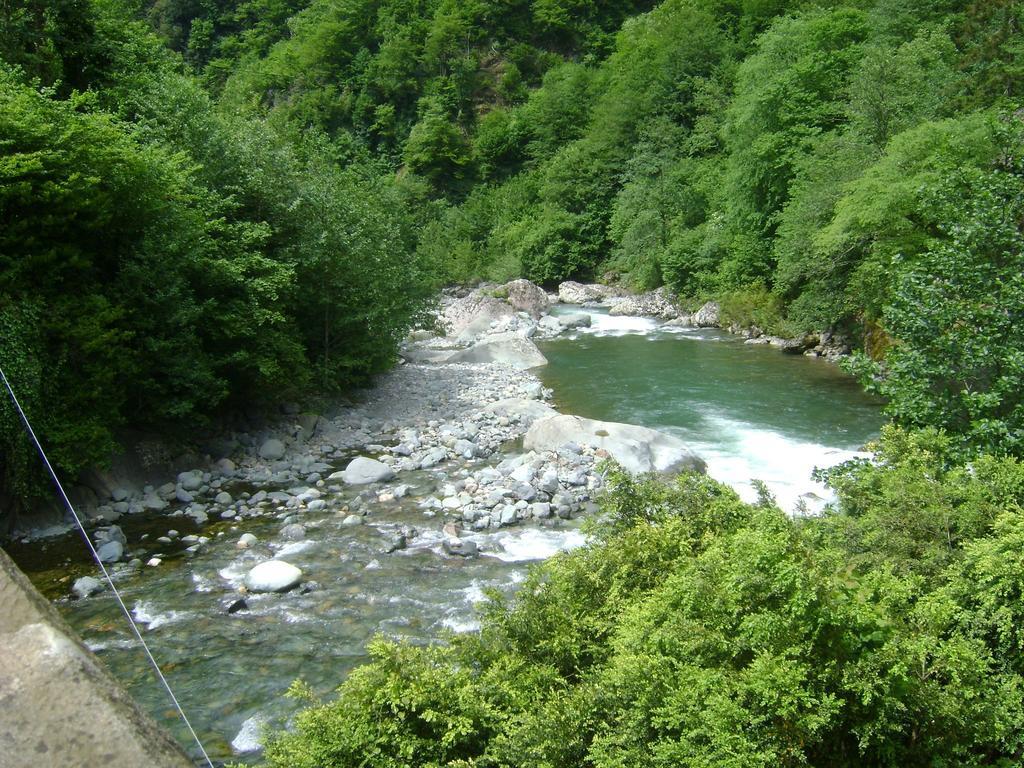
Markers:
{"x": 205, "y": 205}
{"x": 210, "y": 204}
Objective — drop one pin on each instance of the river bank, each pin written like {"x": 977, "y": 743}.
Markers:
{"x": 396, "y": 514}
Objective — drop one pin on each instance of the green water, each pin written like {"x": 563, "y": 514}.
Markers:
{"x": 751, "y": 411}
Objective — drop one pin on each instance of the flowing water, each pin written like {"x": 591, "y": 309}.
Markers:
{"x": 751, "y": 412}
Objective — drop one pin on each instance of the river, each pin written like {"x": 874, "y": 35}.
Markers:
{"x": 750, "y": 411}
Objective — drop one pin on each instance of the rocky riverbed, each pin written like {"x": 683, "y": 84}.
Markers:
{"x": 463, "y": 413}
{"x": 296, "y": 542}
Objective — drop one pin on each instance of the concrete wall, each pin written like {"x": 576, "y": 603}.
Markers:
{"x": 58, "y": 704}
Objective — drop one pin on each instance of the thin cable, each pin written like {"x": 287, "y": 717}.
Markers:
{"x": 110, "y": 581}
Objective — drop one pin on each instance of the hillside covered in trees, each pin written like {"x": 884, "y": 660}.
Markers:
{"x": 208, "y": 205}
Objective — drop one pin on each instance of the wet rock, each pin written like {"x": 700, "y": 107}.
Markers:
{"x": 184, "y": 496}
{"x": 273, "y": 576}
{"x": 119, "y": 494}
{"x": 294, "y": 532}
{"x": 509, "y": 515}
{"x": 223, "y": 498}
{"x": 576, "y": 320}
{"x": 353, "y": 520}
{"x": 110, "y": 552}
{"x": 396, "y": 543}
{"x": 238, "y": 605}
{"x": 540, "y": 510}
{"x": 363, "y": 470}
{"x": 86, "y": 586}
{"x": 460, "y": 547}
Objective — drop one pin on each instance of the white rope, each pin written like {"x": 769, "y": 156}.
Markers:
{"x": 95, "y": 554}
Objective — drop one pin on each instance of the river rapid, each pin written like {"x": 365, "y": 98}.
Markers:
{"x": 750, "y": 412}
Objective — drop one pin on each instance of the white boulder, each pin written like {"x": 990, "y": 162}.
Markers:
{"x": 637, "y": 449}
{"x": 273, "y": 576}
{"x": 506, "y": 348}
{"x": 363, "y": 470}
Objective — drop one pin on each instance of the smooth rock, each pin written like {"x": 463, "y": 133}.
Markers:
{"x": 191, "y": 480}
{"x": 637, "y": 449}
{"x": 273, "y": 576}
{"x": 576, "y": 320}
{"x": 526, "y": 411}
{"x": 363, "y": 470}
{"x": 272, "y": 450}
{"x": 111, "y": 552}
{"x": 223, "y": 498}
{"x": 86, "y": 586}
{"x": 353, "y": 520}
{"x": 294, "y": 532}
{"x": 504, "y": 348}
{"x": 238, "y": 605}
{"x": 246, "y": 541}
{"x": 154, "y": 503}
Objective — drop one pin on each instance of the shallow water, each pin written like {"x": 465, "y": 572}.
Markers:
{"x": 751, "y": 412}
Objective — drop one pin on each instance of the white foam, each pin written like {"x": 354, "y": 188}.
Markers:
{"x": 739, "y": 453}
{"x": 248, "y": 737}
{"x": 460, "y": 623}
{"x": 146, "y": 613}
{"x": 294, "y": 548}
{"x": 525, "y": 544}
{"x": 619, "y": 325}
{"x": 234, "y": 573}
{"x": 474, "y": 593}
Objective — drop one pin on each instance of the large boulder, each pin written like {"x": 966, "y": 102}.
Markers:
{"x": 653, "y": 304}
{"x": 524, "y": 296}
{"x": 273, "y": 576}
{"x": 637, "y": 449}
{"x": 576, "y": 320}
{"x": 272, "y": 450}
{"x": 110, "y": 552}
{"x": 571, "y": 292}
{"x": 708, "y": 316}
{"x": 506, "y": 348}
{"x": 474, "y": 314}
{"x": 363, "y": 470}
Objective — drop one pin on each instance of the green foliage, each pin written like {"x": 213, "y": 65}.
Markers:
{"x": 956, "y": 363}
{"x": 162, "y": 263}
{"x": 698, "y": 630}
